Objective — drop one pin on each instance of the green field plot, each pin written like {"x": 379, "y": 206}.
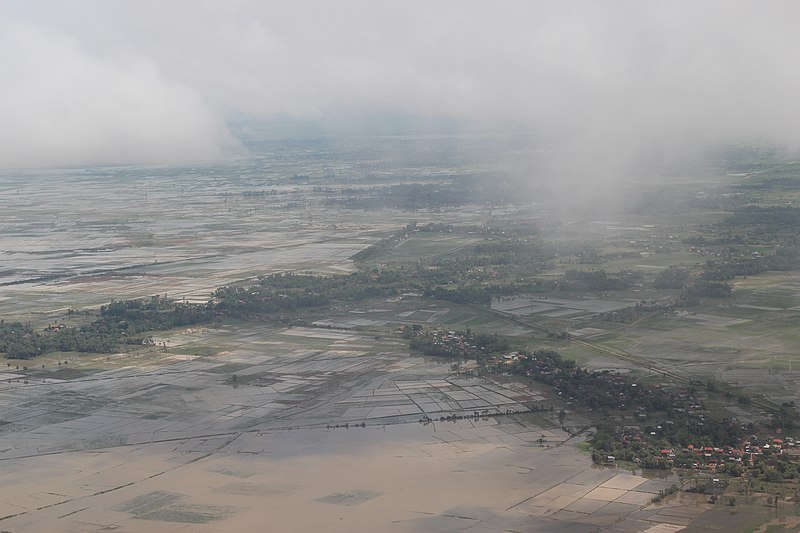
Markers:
{"x": 419, "y": 246}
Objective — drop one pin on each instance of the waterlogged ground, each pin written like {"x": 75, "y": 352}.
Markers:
{"x": 255, "y": 427}
{"x": 319, "y": 431}
{"x": 77, "y": 238}
{"x": 399, "y": 478}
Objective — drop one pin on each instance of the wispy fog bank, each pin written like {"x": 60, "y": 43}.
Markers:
{"x": 146, "y": 81}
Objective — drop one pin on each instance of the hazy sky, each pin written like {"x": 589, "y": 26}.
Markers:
{"x": 156, "y": 81}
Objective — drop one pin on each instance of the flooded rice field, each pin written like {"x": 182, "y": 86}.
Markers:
{"x": 299, "y": 429}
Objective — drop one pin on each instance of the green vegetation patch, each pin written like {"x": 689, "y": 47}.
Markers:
{"x": 162, "y": 505}
{"x": 189, "y": 513}
{"x": 229, "y": 368}
{"x": 258, "y": 489}
{"x": 146, "y": 503}
{"x": 351, "y": 498}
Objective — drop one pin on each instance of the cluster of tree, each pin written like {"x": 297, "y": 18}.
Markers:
{"x": 693, "y": 428}
{"x": 463, "y": 294}
{"x": 437, "y": 227}
{"x": 729, "y": 269}
{"x": 785, "y": 418}
{"x": 636, "y": 311}
{"x": 531, "y": 254}
{"x": 768, "y": 219}
{"x": 120, "y": 323}
{"x": 752, "y": 224}
{"x": 505, "y": 265}
{"x": 703, "y": 288}
{"x": 522, "y": 286}
{"x": 711, "y": 282}
{"x": 509, "y": 264}
{"x": 661, "y": 444}
{"x": 672, "y": 278}
{"x": 468, "y": 279}
{"x": 598, "y": 280}
{"x": 649, "y": 451}
{"x": 785, "y": 258}
{"x": 591, "y": 388}
{"x": 152, "y": 314}
{"x": 693, "y": 288}
{"x": 776, "y": 468}
{"x": 286, "y": 292}
{"x": 607, "y": 442}
{"x": 456, "y": 344}
{"x": 129, "y": 321}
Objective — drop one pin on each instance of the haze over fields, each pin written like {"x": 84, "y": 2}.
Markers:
{"x": 152, "y": 82}
{"x": 399, "y": 266}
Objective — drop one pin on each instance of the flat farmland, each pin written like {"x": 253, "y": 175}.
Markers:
{"x": 120, "y": 233}
{"x": 317, "y": 430}
{"x": 320, "y": 418}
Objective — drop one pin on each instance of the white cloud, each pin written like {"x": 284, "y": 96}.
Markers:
{"x": 60, "y": 105}
{"x": 146, "y": 79}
